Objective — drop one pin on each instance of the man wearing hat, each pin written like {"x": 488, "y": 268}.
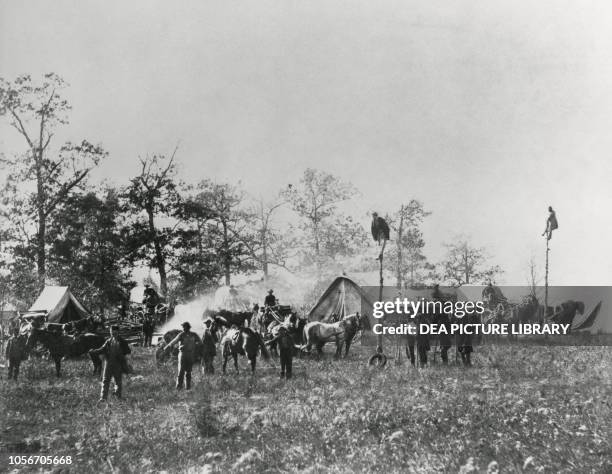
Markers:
{"x": 188, "y": 345}
{"x": 150, "y": 299}
{"x": 209, "y": 346}
{"x": 114, "y": 349}
{"x": 270, "y": 299}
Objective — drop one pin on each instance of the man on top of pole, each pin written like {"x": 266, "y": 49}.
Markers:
{"x": 380, "y": 232}
{"x": 551, "y": 223}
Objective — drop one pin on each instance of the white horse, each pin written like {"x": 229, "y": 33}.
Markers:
{"x": 317, "y": 333}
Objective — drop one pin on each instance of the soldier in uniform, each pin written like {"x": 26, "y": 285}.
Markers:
{"x": 15, "y": 353}
{"x": 209, "y": 347}
{"x": 465, "y": 341}
{"x": 442, "y": 318}
{"x": 114, "y": 349}
{"x": 188, "y": 343}
{"x": 147, "y": 330}
{"x": 286, "y": 349}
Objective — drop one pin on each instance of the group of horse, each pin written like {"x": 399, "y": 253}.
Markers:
{"x": 253, "y": 333}
{"x": 529, "y": 310}
{"x": 62, "y": 345}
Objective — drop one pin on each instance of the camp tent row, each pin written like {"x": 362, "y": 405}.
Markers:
{"x": 59, "y": 305}
{"x": 344, "y": 297}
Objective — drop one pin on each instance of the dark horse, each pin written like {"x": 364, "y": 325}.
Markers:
{"x": 60, "y": 346}
{"x": 227, "y": 319}
{"x": 87, "y": 325}
{"x": 242, "y": 341}
{"x": 293, "y": 324}
{"x": 161, "y": 355}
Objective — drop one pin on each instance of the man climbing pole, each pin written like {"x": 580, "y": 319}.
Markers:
{"x": 380, "y": 232}
{"x": 551, "y": 223}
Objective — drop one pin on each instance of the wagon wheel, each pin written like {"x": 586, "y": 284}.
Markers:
{"x": 378, "y": 360}
{"x": 161, "y": 355}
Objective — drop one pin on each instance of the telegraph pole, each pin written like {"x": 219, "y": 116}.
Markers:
{"x": 546, "y": 278}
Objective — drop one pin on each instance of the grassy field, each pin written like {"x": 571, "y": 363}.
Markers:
{"x": 519, "y": 409}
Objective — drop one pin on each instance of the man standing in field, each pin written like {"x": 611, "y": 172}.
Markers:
{"x": 15, "y": 353}
{"x": 148, "y": 327}
{"x": 286, "y": 348}
{"x": 188, "y": 344}
{"x": 209, "y": 347}
{"x": 114, "y": 349}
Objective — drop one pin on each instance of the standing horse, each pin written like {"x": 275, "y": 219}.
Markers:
{"x": 317, "y": 333}
{"x": 227, "y": 319}
{"x": 242, "y": 341}
{"x": 88, "y": 325}
{"x": 293, "y": 324}
{"x": 60, "y": 346}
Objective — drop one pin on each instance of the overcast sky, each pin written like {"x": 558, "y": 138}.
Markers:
{"x": 486, "y": 111}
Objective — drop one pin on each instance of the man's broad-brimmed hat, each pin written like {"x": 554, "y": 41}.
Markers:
{"x": 270, "y": 290}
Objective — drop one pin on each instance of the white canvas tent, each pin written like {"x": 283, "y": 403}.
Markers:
{"x": 341, "y": 298}
{"x": 59, "y": 304}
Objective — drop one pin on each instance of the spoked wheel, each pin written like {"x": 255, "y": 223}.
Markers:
{"x": 161, "y": 355}
{"x": 378, "y": 360}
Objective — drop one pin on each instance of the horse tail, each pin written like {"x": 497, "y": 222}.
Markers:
{"x": 306, "y": 334}
{"x": 262, "y": 346}
{"x": 226, "y": 347}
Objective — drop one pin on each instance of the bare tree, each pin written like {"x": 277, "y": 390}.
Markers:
{"x": 465, "y": 264}
{"x": 315, "y": 200}
{"x": 533, "y": 278}
{"x": 154, "y": 191}
{"x": 35, "y": 111}
{"x": 408, "y": 251}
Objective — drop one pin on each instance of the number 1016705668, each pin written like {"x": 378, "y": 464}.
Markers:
{"x": 31, "y": 460}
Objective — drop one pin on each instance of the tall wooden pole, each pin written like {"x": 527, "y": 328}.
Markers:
{"x": 379, "y": 339}
{"x": 546, "y": 280}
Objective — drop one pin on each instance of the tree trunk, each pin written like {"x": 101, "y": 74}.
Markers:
{"x": 41, "y": 255}
{"x": 399, "y": 249}
{"x": 159, "y": 254}
{"x": 264, "y": 257}
{"x": 40, "y": 251}
{"x": 226, "y": 256}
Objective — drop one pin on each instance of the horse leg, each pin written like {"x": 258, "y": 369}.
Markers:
{"x": 347, "y": 344}
{"x": 320, "y": 349}
{"x": 58, "y": 364}
{"x": 253, "y": 363}
{"x": 96, "y": 363}
{"x": 225, "y": 357}
{"x": 410, "y": 353}
{"x": 235, "y": 355}
{"x": 339, "y": 344}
